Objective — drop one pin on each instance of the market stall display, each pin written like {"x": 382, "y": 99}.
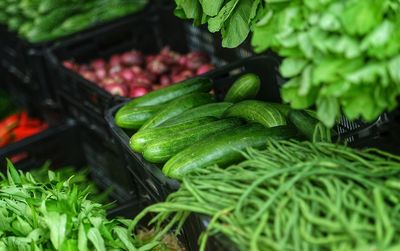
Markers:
{"x": 134, "y": 129}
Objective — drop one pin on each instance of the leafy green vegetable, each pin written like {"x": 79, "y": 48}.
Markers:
{"x": 338, "y": 54}
{"x": 55, "y": 214}
{"x": 232, "y": 17}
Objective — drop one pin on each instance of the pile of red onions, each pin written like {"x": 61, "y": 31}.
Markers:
{"x": 132, "y": 74}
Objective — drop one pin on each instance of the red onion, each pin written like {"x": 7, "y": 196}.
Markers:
{"x": 132, "y": 58}
{"x": 182, "y": 76}
{"x": 117, "y": 89}
{"x": 196, "y": 59}
{"x": 101, "y": 73}
{"x": 127, "y": 74}
{"x": 157, "y": 66}
{"x": 138, "y": 91}
{"x": 115, "y": 60}
{"x": 89, "y": 75}
{"x": 169, "y": 57}
{"x": 204, "y": 68}
{"x": 114, "y": 69}
{"x": 98, "y": 64}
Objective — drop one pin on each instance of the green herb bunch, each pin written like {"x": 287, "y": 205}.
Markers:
{"x": 338, "y": 54}
{"x": 234, "y": 18}
{"x": 56, "y": 215}
{"x": 294, "y": 196}
{"x": 341, "y": 55}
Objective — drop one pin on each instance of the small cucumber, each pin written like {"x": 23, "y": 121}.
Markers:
{"x": 245, "y": 87}
{"x": 178, "y": 106}
{"x": 134, "y": 117}
{"x": 161, "y": 150}
{"x": 310, "y": 127}
{"x": 140, "y": 139}
{"x": 223, "y": 149}
{"x": 173, "y": 91}
{"x": 257, "y": 111}
{"x": 212, "y": 110}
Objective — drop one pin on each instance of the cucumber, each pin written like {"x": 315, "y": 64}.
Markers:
{"x": 257, "y": 111}
{"x": 77, "y": 22}
{"x": 310, "y": 127}
{"x": 213, "y": 110}
{"x": 223, "y": 149}
{"x": 172, "y": 92}
{"x": 141, "y": 138}
{"x": 245, "y": 87}
{"x": 177, "y": 107}
{"x": 161, "y": 150}
{"x": 53, "y": 19}
{"x": 134, "y": 117}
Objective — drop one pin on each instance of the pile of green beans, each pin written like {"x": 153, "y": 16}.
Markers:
{"x": 293, "y": 196}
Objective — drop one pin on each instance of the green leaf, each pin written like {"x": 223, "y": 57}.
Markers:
{"x": 12, "y": 174}
{"x": 216, "y": 23}
{"x": 290, "y": 94}
{"x": 211, "y": 7}
{"x": 360, "y": 17}
{"x": 328, "y": 110}
{"x": 57, "y": 224}
{"x": 292, "y": 67}
{"x": 237, "y": 27}
{"x": 95, "y": 238}
{"x": 126, "y": 239}
{"x": 393, "y": 67}
{"x": 82, "y": 238}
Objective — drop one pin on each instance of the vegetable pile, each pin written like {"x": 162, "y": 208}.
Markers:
{"x": 19, "y": 126}
{"x": 44, "y": 20}
{"x": 56, "y": 215}
{"x": 342, "y": 56}
{"x": 184, "y": 128}
{"x": 294, "y": 196}
{"x": 132, "y": 74}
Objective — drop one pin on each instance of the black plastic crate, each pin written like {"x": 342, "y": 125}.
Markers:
{"x": 27, "y": 60}
{"x": 59, "y": 144}
{"x": 150, "y": 176}
{"x": 107, "y": 166}
{"x": 148, "y": 34}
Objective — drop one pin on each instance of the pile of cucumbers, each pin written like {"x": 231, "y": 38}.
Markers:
{"x": 183, "y": 127}
{"x": 45, "y": 20}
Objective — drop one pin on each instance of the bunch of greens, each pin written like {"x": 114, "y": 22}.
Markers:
{"x": 338, "y": 54}
{"x": 233, "y": 18}
{"x": 78, "y": 177}
{"x": 341, "y": 55}
{"x": 56, "y": 215}
{"x": 294, "y": 196}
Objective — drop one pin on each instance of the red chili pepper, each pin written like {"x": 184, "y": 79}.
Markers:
{"x": 19, "y": 126}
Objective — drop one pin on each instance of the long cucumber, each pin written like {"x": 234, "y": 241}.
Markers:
{"x": 172, "y": 92}
{"x": 177, "y": 107}
{"x": 223, "y": 149}
{"x": 257, "y": 111}
{"x": 141, "y": 138}
{"x": 212, "y": 110}
{"x": 134, "y": 117}
{"x": 161, "y": 150}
